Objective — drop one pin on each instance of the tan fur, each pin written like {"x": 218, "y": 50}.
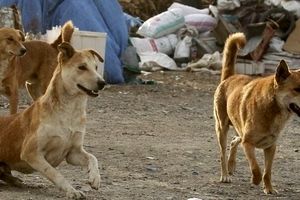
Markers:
{"x": 53, "y": 127}
{"x": 234, "y": 42}
{"x": 258, "y": 109}
{"x": 34, "y": 69}
{"x": 11, "y": 44}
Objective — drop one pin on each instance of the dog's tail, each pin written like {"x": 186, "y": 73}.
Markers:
{"x": 233, "y": 43}
{"x": 65, "y": 34}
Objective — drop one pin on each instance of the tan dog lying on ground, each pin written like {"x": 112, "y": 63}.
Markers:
{"x": 53, "y": 127}
{"x": 34, "y": 69}
{"x": 258, "y": 109}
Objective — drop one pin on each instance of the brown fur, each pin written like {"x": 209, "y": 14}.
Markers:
{"x": 52, "y": 128}
{"x": 11, "y": 45}
{"x": 34, "y": 69}
{"x": 258, "y": 109}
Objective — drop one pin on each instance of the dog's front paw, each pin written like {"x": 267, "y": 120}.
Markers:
{"x": 270, "y": 191}
{"x": 94, "y": 181}
{"x": 75, "y": 194}
{"x": 225, "y": 179}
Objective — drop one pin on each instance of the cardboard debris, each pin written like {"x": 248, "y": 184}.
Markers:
{"x": 223, "y": 30}
{"x": 292, "y": 43}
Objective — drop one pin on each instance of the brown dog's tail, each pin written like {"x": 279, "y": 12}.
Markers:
{"x": 233, "y": 43}
{"x": 65, "y": 34}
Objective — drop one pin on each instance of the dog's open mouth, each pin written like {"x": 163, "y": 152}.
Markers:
{"x": 92, "y": 93}
{"x": 295, "y": 108}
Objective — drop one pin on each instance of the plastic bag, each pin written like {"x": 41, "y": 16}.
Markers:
{"x": 150, "y": 60}
{"x": 292, "y": 6}
{"x": 182, "y": 49}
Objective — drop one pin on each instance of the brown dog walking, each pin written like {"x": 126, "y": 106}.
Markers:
{"x": 258, "y": 109}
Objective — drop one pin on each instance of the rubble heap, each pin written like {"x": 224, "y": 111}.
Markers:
{"x": 145, "y": 8}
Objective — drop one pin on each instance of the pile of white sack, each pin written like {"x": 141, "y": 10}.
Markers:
{"x": 161, "y": 35}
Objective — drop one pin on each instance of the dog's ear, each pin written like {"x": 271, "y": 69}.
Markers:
{"x": 66, "y": 50}
{"x": 282, "y": 72}
{"x": 97, "y": 55}
{"x": 22, "y": 35}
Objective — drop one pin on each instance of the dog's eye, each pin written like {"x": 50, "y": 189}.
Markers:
{"x": 10, "y": 39}
{"x": 82, "y": 67}
{"x": 297, "y": 90}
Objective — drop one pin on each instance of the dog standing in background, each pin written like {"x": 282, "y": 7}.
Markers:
{"x": 258, "y": 109}
{"x": 33, "y": 70}
{"x": 11, "y": 45}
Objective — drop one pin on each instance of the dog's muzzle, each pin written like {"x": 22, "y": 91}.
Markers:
{"x": 295, "y": 108}
{"x": 23, "y": 51}
{"x": 101, "y": 84}
{"x": 95, "y": 92}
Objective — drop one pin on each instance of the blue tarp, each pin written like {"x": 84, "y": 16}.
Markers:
{"x": 90, "y": 15}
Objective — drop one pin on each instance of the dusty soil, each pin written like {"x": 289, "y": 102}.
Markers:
{"x": 158, "y": 142}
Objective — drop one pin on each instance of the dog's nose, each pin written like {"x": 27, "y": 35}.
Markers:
{"x": 23, "y": 51}
{"x": 100, "y": 84}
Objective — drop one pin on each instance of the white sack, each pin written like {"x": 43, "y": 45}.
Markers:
{"x": 162, "y": 24}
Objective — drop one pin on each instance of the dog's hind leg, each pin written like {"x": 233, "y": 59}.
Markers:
{"x": 6, "y": 176}
{"x": 255, "y": 170}
{"x": 79, "y": 157}
{"x": 222, "y": 127}
{"x": 13, "y": 98}
{"x": 269, "y": 156}
{"x": 232, "y": 154}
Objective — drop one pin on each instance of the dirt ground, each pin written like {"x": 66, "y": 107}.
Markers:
{"x": 158, "y": 142}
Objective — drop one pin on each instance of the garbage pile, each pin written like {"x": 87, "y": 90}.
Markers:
{"x": 144, "y": 9}
{"x": 191, "y": 39}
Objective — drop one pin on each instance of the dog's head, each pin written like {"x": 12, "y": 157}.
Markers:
{"x": 11, "y": 41}
{"x": 287, "y": 86}
{"x": 79, "y": 70}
